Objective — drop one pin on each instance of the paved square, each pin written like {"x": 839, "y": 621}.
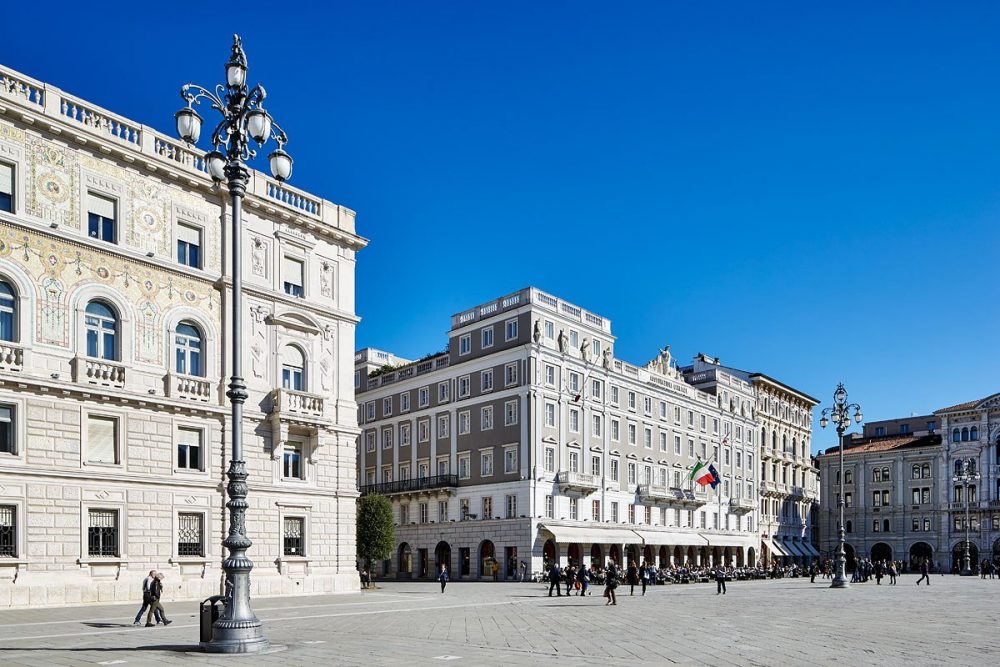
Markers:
{"x": 782, "y": 622}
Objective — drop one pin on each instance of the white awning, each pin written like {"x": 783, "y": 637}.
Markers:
{"x": 774, "y": 546}
{"x": 726, "y": 540}
{"x": 792, "y": 548}
{"x": 592, "y": 535}
{"x": 671, "y": 538}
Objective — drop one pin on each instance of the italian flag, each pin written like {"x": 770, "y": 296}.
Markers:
{"x": 701, "y": 474}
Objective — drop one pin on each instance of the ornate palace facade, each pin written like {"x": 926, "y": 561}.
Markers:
{"x": 114, "y": 360}
{"x": 528, "y": 440}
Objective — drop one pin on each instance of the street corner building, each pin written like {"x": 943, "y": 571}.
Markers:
{"x": 528, "y": 440}
{"x": 115, "y": 354}
{"x": 919, "y": 488}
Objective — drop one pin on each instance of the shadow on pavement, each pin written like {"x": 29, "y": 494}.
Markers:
{"x": 177, "y": 648}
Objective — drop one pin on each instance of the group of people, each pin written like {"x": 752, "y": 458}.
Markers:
{"x": 152, "y": 590}
{"x": 644, "y": 575}
{"x": 865, "y": 570}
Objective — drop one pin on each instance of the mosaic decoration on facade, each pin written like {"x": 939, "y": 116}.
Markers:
{"x": 53, "y": 187}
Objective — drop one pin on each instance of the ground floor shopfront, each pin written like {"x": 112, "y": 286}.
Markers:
{"x": 501, "y": 549}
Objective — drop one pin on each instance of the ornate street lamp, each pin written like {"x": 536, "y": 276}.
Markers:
{"x": 967, "y": 475}
{"x": 839, "y": 414}
{"x": 244, "y": 121}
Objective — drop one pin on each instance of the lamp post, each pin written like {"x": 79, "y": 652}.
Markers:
{"x": 967, "y": 475}
{"x": 244, "y": 120}
{"x": 839, "y": 414}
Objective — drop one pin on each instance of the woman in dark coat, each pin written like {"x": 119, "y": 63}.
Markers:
{"x": 632, "y": 576}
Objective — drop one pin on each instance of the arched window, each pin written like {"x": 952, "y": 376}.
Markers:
{"x": 849, "y": 527}
{"x": 187, "y": 350}
{"x": 925, "y": 470}
{"x": 965, "y": 435}
{"x": 848, "y": 477}
{"x": 972, "y": 494}
{"x": 876, "y": 475}
{"x": 958, "y": 467}
{"x": 293, "y": 369}
{"x": 8, "y": 312}
{"x": 972, "y": 466}
{"x": 974, "y": 433}
{"x": 915, "y": 474}
{"x": 885, "y": 474}
{"x": 784, "y": 443}
{"x": 774, "y": 440}
{"x": 885, "y": 525}
{"x": 955, "y": 435}
{"x": 795, "y": 448}
{"x": 101, "y": 323}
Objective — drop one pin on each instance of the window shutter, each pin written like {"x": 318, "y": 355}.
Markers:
{"x": 189, "y": 436}
{"x": 102, "y": 206}
{"x": 101, "y": 440}
{"x": 6, "y": 179}
{"x": 291, "y": 271}
{"x": 189, "y": 234}
{"x": 290, "y": 356}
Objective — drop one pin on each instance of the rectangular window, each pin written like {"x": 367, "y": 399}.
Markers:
{"x": 444, "y": 426}
{"x": 486, "y": 464}
{"x": 615, "y": 430}
{"x": 574, "y": 509}
{"x": 190, "y": 534}
{"x": 550, "y": 329}
{"x": 510, "y": 460}
{"x": 550, "y": 375}
{"x": 442, "y": 466}
{"x": 595, "y": 510}
{"x": 596, "y": 426}
{"x": 647, "y": 438}
{"x": 510, "y": 413}
{"x": 631, "y": 513}
{"x": 8, "y": 531}
{"x": 292, "y": 273}
{"x": 464, "y": 386}
{"x": 574, "y": 461}
{"x": 487, "y": 337}
{"x": 631, "y": 434}
{"x": 595, "y": 466}
{"x": 486, "y": 419}
{"x": 442, "y": 511}
{"x": 631, "y": 400}
{"x": 510, "y": 330}
{"x": 574, "y": 421}
{"x": 423, "y": 397}
{"x": 291, "y": 461}
{"x": 387, "y": 407}
{"x": 595, "y": 389}
{"x": 370, "y": 441}
{"x": 102, "y": 533}
{"x": 444, "y": 392}
{"x": 486, "y": 380}
{"x": 189, "y": 245}
{"x": 102, "y": 440}
{"x": 663, "y": 442}
{"x": 404, "y": 402}
{"x": 510, "y": 375}
{"x": 6, "y": 188}
{"x": 614, "y": 395}
{"x": 464, "y": 344}
{"x": 614, "y": 512}
{"x": 647, "y": 405}
{"x": 631, "y": 473}
{"x": 677, "y": 445}
{"x": 422, "y": 512}
{"x": 614, "y": 469}
{"x": 549, "y": 507}
{"x": 190, "y": 442}
{"x": 369, "y": 406}
{"x": 550, "y": 459}
{"x": 574, "y": 382}
{"x": 511, "y": 502}
{"x": 8, "y": 443}
{"x": 487, "y": 507}
{"x": 463, "y": 422}
{"x": 404, "y": 435}
{"x": 102, "y": 218}
{"x": 294, "y": 536}
{"x": 464, "y": 469}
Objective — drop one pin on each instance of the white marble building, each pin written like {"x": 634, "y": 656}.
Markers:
{"x": 114, "y": 359}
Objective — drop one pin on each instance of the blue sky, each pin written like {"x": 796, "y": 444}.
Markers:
{"x": 810, "y": 192}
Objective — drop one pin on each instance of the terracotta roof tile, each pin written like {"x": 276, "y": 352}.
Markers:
{"x": 960, "y": 406}
{"x": 886, "y": 444}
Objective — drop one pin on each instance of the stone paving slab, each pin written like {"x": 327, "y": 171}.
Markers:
{"x": 761, "y": 623}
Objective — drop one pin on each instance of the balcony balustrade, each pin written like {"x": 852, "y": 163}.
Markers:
{"x": 188, "y": 387}
{"x": 288, "y": 402}
{"x": 11, "y": 357}
{"x": 437, "y": 483}
{"x": 578, "y": 481}
{"x": 101, "y": 372}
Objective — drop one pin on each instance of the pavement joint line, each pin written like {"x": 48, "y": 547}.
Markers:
{"x": 305, "y": 606}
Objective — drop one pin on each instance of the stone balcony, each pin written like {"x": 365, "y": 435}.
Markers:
{"x": 657, "y": 493}
{"x": 11, "y": 357}
{"x": 292, "y": 405}
{"x": 188, "y": 387}
{"x": 578, "y": 481}
{"x": 101, "y": 372}
{"x": 742, "y": 505}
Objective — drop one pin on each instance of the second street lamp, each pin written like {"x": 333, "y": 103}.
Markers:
{"x": 966, "y": 476}
{"x": 244, "y": 120}
{"x": 840, "y": 414}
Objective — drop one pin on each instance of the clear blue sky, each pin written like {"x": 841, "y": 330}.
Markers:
{"x": 808, "y": 192}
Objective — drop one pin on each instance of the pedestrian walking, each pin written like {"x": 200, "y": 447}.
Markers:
{"x": 646, "y": 575}
{"x": 145, "y": 599}
{"x": 720, "y": 580}
{"x": 524, "y": 571}
{"x": 555, "y": 579}
{"x": 443, "y": 577}
{"x": 924, "y": 573}
{"x": 583, "y": 578}
{"x": 812, "y": 573}
{"x": 632, "y": 577}
{"x": 610, "y": 584}
{"x": 155, "y": 592}
{"x": 892, "y": 573}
